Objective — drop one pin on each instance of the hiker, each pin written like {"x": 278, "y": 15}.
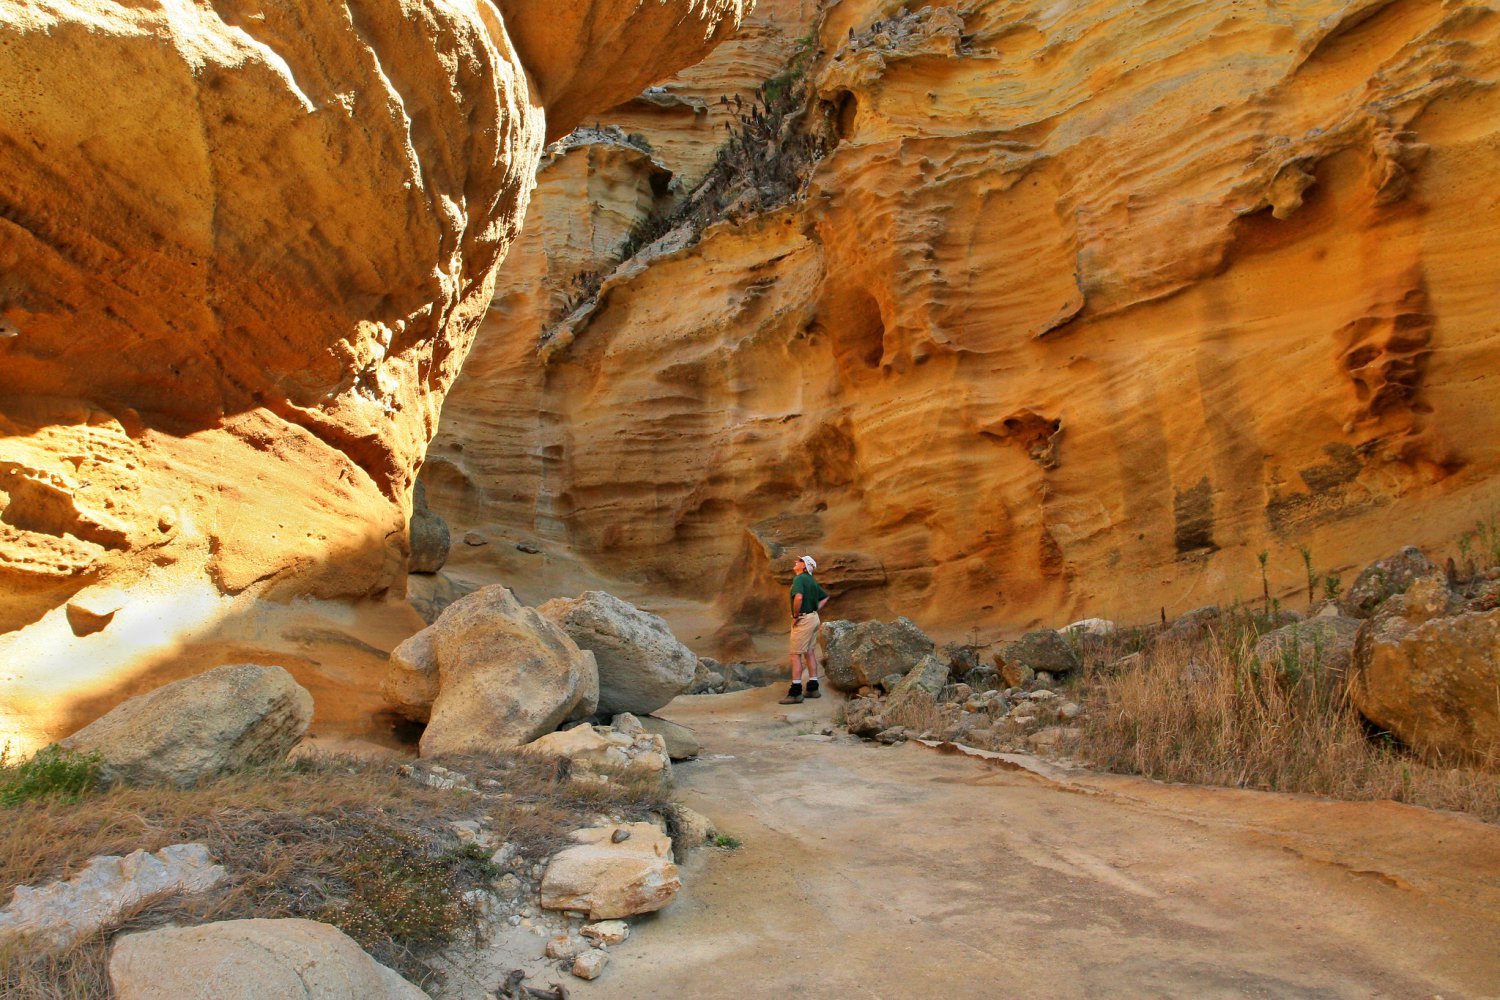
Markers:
{"x": 807, "y": 600}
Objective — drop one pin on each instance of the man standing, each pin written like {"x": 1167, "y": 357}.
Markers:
{"x": 807, "y": 600}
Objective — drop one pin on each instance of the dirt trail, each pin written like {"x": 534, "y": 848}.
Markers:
{"x": 885, "y": 872}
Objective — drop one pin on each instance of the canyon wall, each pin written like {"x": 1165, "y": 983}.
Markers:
{"x": 1086, "y": 306}
{"x": 244, "y": 249}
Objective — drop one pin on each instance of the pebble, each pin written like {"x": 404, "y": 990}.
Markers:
{"x": 1069, "y": 710}
{"x": 590, "y": 965}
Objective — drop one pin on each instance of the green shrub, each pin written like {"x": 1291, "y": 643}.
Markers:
{"x": 726, "y": 841}
{"x": 51, "y": 773}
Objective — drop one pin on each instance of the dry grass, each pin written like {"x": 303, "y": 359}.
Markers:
{"x": 355, "y": 844}
{"x": 916, "y": 710}
{"x": 1208, "y": 712}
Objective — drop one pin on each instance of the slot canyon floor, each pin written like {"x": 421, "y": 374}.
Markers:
{"x": 884, "y": 872}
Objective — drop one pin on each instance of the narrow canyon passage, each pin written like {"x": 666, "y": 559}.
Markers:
{"x": 879, "y": 872}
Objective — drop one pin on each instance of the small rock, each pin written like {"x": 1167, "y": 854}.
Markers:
{"x": 566, "y": 946}
{"x": 475, "y": 538}
{"x": 607, "y": 932}
{"x": 1017, "y": 675}
{"x": 619, "y": 836}
{"x": 1068, "y": 710}
{"x": 1099, "y": 628}
{"x": 627, "y": 723}
{"x": 529, "y": 548}
{"x": 693, "y": 828}
{"x": 590, "y": 964}
{"x": 894, "y": 735}
{"x": 612, "y": 879}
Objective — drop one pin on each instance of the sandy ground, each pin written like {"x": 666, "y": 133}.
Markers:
{"x": 903, "y": 872}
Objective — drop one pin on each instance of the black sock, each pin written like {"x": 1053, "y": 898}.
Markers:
{"x": 796, "y": 688}
{"x": 812, "y": 685}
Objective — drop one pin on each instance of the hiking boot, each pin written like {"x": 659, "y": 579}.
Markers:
{"x": 793, "y": 695}
{"x": 812, "y": 690}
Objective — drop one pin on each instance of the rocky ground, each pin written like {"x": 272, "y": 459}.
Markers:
{"x": 875, "y": 871}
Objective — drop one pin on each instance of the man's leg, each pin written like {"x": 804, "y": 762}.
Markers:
{"x": 794, "y": 693}
{"x": 811, "y": 656}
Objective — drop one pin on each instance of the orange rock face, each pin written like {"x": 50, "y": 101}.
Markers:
{"x": 1083, "y": 311}
{"x": 244, "y": 248}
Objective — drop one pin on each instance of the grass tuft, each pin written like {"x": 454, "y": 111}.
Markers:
{"x": 51, "y": 773}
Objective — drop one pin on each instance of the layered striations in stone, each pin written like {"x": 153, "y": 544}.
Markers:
{"x": 1087, "y": 306}
{"x": 244, "y": 248}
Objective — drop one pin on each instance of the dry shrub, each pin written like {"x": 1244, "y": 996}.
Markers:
{"x": 915, "y": 710}
{"x": 354, "y": 844}
{"x": 1207, "y": 711}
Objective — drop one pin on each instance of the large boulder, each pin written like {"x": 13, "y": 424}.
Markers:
{"x": 109, "y": 888}
{"x": 1384, "y": 579}
{"x": 930, "y": 675}
{"x": 251, "y": 960}
{"x": 642, "y": 666}
{"x": 429, "y": 535}
{"x": 1323, "y": 643}
{"x": 488, "y": 674}
{"x": 1042, "y": 650}
{"x": 221, "y": 720}
{"x": 862, "y": 654}
{"x": 607, "y": 876}
{"x": 1428, "y": 675}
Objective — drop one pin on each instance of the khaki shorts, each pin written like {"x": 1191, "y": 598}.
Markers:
{"x": 805, "y": 633}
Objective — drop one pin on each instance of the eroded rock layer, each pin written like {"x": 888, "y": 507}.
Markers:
{"x": 1089, "y": 304}
{"x": 244, "y": 248}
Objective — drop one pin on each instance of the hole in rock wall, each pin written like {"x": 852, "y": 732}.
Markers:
{"x": 858, "y": 331}
{"x": 845, "y": 115}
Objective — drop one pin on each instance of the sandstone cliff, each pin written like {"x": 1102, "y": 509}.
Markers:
{"x": 244, "y": 248}
{"x": 1087, "y": 305}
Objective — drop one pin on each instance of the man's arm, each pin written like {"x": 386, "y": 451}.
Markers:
{"x": 822, "y": 602}
{"x": 797, "y": 605}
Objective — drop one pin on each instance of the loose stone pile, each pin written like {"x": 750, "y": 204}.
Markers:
{"x": 1416, "y": 646}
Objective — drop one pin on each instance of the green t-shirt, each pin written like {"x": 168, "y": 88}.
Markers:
{"x": 811, "y": 593}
